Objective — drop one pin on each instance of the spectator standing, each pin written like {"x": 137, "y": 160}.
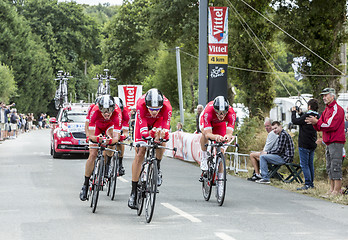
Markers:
{"x": 41, "y": 118}
{"x": 4, "y": 124}
{"x": 199, "y": 111}
{"x": 179, "y": 127}
{"x": 331, "y": 123}
{"x": 2, "y": 121}
{"x": 271, "y": 144}
{"x": 14, "y": 123}
{"x": 306, "y": 141}
{"x": 284, "y": 153}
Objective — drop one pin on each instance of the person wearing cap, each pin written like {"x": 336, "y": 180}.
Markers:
{"x": 331, "y": 123}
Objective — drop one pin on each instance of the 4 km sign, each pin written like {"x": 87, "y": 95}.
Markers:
{"x": 217, "y": 51}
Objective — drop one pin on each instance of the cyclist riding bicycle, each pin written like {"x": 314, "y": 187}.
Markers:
{"x": 153, "y": 113}
{"x": 124, "y": 132}
{"x": 216, "y": 123}
{"x": 105, "y": 118}
{"x": 89, "y": 115}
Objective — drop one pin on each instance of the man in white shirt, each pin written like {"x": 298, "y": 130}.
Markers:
{"x": 271, "y": 143}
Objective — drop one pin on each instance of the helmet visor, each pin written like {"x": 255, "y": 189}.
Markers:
{"x": 154, "y": 109}
{"x": 107, "y": 110}
{"x": 220, "y": 113}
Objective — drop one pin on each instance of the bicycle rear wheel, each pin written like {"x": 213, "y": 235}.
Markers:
{"x": 220, "y": 179}
{"x": 140, "y": 196}
{"x": 114, "y": 175}
{"x": 98, "y": 183}
{"x": 141, "y": 189}
{"x": 207, "y": 183}
{"x": 92, "y": 181}
{"x": 151, "y": 190}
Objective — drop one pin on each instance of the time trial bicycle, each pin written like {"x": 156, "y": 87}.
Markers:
{"x": 147, "y": 183}
{"x": 216, "y": 173}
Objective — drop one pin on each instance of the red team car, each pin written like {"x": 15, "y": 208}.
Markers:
{"x": 68, "y": 130}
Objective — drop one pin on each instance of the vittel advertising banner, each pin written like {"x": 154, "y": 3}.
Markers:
{"x": 217, "y": 51}
{"x": 130, "y": 94}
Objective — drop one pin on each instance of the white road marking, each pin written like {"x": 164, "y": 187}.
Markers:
{"x": 122, "y": 179}
{"x": 181, "y": 213}
{"x": 224, "y": 236}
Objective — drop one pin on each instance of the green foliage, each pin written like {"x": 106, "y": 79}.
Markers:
{"x": 294, "y": 87}
{"x": 70, "y": 36}
{"x": 24, "y": 53}
{"x": 7, "y": 84}
{"x": 101, "y": 13}
{"x": 256, "y": 89}
{"x": 319, "y": 25}
{"x": 126, "y": 45}
{"x": 189, "y": 121}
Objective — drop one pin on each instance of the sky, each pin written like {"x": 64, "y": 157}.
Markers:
{"x": 96, "y": 2}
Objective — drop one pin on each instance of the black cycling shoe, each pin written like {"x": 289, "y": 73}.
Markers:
{"x": 132, "y": 203}
{"x": 83, "y": 193}
{"x": 203, "y": 175}
{"x": 121, "y": 171}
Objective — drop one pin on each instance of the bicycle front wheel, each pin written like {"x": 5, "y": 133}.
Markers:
{"x": 113, "y": 177}
{"x": 207, "y": 183}
{"x": 220, "y": 179}
{"x": 98, "y": 183}
{"x": 151, "y": 190}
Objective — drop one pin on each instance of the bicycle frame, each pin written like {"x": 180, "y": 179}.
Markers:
{"x": 216, "y": 173}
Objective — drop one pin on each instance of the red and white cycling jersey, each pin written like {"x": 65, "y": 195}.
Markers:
{"x": 101, "y": 125}
{"x": 144, "y": 121}
{"x": 125, "y": 117}
{"x": 89, "y": 112}
{"x": 209, "y": 120}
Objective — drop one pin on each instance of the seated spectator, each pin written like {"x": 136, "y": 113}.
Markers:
{"x": 306, "y": 142}
{"x": 284, "y": 153}
{"x": 271, "y": 144}
{"x": 179, "y": 127}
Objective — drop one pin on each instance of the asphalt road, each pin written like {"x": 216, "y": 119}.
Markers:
{"x": 39, "y": 199}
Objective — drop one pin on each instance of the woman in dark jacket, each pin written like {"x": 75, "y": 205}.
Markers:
{"x": 306, "y": 142}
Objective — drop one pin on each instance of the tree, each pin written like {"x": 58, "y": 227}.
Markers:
{"x": 126, "y": 45}
{"x": 319, "y": 25}
{"x": 7, "y": 83}
{"x": 70, "y": 36}
{"x": 24, "y": 53}
{"x": 256, "y": 89}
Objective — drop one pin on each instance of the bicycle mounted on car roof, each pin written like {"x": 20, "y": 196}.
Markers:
{"x": 61, "y": 96}
{"x": 104, "y": 89}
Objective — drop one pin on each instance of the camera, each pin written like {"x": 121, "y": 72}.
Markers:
{"x": 297, "y": 108}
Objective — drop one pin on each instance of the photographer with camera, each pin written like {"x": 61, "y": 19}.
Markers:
{"x": 306, "y": 141}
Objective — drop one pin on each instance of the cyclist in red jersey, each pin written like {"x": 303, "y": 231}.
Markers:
{"x": 153, "y": 113}
{"x": 89, "y": 116}
{"x": 216, "y": 123}
{"x": 105, "y": 118}
{"x": 124, "y": 132}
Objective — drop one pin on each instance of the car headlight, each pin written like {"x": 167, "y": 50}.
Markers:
{"x": 63, "y": 134}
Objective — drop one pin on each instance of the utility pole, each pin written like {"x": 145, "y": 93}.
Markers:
{"x": 178, "y": 70}
{"x": 344, "y": 65}
{"x": 202, "y": 61}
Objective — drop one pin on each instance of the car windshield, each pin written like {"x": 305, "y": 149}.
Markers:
{"x": 73, "y": 117}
